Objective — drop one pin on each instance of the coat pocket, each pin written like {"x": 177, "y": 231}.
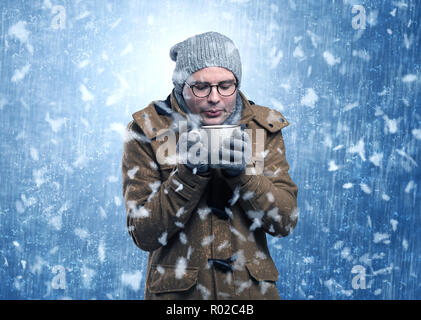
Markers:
{"x": 265, "y": 270}
{"x": 165, "y": 279}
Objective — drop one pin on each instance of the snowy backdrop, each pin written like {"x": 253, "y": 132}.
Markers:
{"x": 345, "y": 73}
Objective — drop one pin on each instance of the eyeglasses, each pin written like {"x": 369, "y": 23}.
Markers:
{"x": 203, "y": 89}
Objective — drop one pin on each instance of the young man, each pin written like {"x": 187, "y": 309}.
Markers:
{"x": 204, "y": 224}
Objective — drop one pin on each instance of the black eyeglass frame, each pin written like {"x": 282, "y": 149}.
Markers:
{"x": 214, "y": 85}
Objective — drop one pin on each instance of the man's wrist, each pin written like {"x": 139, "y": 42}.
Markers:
{"x": 195, "y": 170}
{"x": 231, "y": 173}
{"x": 239, "y": 181}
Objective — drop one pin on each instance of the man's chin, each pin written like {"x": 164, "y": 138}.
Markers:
{"x": 212, "y": 121}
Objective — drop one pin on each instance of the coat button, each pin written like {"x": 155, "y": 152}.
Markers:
{"x": 271, "y": 125}
{"x": 281, "y": 119}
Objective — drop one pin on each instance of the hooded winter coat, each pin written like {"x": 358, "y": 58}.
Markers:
{"x": 206, "y": 233}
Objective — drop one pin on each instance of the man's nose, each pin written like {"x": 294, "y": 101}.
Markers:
{"x": 213, "y": 96}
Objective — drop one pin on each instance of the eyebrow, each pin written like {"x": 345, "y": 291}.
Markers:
{"x": 204, "y": 82}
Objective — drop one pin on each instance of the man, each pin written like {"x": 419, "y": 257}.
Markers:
{"x": 204, "y": 224}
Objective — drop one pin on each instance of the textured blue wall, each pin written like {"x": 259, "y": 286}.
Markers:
{"x": 73, "y": 72}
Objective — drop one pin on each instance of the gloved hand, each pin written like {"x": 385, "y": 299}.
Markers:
{"x": 192, "y": 151}
{"x": 237, "y": 149}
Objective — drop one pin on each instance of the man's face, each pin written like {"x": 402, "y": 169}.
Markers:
{"x": 213, "y": 109}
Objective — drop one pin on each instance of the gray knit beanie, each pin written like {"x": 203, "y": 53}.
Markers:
{"x": 210, "y": 49}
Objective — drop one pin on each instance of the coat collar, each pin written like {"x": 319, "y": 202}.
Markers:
{"x": 154, "y": 124}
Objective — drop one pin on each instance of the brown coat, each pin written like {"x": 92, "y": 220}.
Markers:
{"x": 173, "y": 213}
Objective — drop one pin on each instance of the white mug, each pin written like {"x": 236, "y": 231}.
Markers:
{"x": 216, "y": 134}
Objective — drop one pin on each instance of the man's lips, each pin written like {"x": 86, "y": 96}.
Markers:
{"x": 213, "y": 113}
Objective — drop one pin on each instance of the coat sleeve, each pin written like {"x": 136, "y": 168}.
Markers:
{"x": 269, "y": 199}
{"x": 156, "y": 209}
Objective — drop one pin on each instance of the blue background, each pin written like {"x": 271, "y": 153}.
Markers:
{"x": 68, "y": 88}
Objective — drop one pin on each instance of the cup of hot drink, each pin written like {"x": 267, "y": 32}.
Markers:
{"x": 215, "y": 136}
